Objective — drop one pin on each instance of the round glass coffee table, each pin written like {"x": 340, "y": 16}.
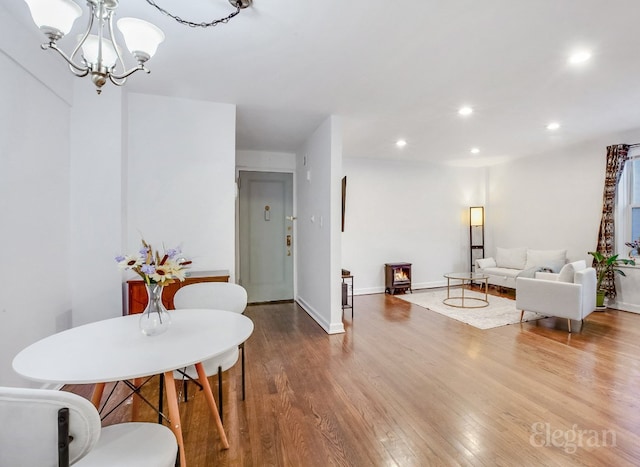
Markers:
{"x": 460, "y": 301}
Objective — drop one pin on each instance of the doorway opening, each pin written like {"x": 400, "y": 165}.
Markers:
{"x": 266, "y": 235}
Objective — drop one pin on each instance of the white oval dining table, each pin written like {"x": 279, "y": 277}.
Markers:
{"x": 116, "y": 350}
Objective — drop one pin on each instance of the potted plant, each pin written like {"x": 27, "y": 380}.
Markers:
{"x": 604, "y": 265}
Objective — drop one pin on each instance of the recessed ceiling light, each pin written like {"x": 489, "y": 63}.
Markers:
{"x": 466, "y": 110}
{"x": 553, "y": 126}
{"x": 401, "y": 143}
{"x": 475, "y": 150}
{"x": 579, "y": 57}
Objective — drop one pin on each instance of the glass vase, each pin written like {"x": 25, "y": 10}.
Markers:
{"x": 155, "y": 319}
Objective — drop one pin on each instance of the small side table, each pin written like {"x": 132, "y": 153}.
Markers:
{"x": 347, "y": 293}
{"x": 459, "y": 300}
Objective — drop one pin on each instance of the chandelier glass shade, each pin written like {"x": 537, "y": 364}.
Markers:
{"x": 101, "y": 57}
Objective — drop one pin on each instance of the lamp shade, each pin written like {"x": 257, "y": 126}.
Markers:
{"x": 56, "y": 14}
{"x": 90, "y": 51}
{"x": 140, "y": 36}
{"x": 476, "y": 215}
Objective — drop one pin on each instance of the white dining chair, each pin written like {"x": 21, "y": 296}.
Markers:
{"x": 47, "y": 428}
{"x": 219, "y": 296}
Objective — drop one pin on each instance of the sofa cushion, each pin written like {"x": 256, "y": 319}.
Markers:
{"x": 484, "y": 263}
{"x": 550, "y": 259}
{"x": 566, "y": 273}
{"x": 547, "y": 276}
{"x": 579, "y": 265}
{"x": 530, "y": 273}
{"x": 512, "y": 258}
{"x": 502, "y": 272}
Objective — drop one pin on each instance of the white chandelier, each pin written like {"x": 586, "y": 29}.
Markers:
{"x": 101, "y": 57}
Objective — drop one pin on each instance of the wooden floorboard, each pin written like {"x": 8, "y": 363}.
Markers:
{"x": 405, "y": 386}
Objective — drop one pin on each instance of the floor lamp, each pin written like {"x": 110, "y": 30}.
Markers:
{"x": 476, "y": 234}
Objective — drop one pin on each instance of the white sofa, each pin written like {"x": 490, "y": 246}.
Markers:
{"x": 571, "y": 294}
{"x": 511, "y": 263}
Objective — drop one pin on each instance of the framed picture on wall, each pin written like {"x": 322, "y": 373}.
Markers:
{"x": 344, "y": 198}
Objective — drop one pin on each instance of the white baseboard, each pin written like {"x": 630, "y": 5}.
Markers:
{"x": 622, "y": 306}
{"x": 335, "y": 328}
{"x": 368, "y": 291}
{"x": 417, "y": 286}
{"x": 429, "y": 285}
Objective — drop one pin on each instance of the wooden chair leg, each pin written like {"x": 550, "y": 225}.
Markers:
{"x": 569, "y": 324}
{"x": 521, "y": 315}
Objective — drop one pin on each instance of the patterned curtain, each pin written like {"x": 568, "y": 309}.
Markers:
{"x": 616, "y": 157}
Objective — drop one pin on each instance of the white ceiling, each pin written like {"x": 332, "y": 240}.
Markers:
{"x": 398, "y": 69}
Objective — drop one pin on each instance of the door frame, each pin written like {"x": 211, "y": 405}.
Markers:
{"x": 246, "y": 168}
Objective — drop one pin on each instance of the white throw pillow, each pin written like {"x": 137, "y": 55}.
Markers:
{"x": 567, "y": 273}
{"x": 513, "y": 258}
{"x": 486, "y": 263}
{"x": 551, "y": 259}
{"x": 579, "y": 265}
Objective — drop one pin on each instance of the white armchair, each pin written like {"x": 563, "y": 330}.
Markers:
{"x": 571, "y": 294}
{"x": 47, "y": 428}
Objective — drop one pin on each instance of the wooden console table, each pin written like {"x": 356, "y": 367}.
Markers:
{"x": 137, "y": 295}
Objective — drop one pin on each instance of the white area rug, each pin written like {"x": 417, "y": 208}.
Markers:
{"x": 500, "y": 312}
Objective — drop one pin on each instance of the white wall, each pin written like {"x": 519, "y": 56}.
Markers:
{"x": 267, "y": 161}
{"x": 70, "y": 201}
{"x": 627, "y": 289}
{"x": 35, "y": 295}
{"x": 97, "y": 159}
{"x": 166, "y": 172}
{"x": 555, "y": 201}
{"x": 20, "y": 40}
{"x": 318, "y": 188}
{"x": 551, "y": 201}
{"x": 181, "y": 178}
{"x": 407, "y": 212}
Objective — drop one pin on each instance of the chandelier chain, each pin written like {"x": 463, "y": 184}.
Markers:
{"x": 192, "y": 23}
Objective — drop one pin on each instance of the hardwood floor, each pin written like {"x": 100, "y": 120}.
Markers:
{"x": 405, "y": 386}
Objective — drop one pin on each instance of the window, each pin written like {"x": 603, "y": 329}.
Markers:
{"x": 635, "y": 198}
{"x": 628, "y": 203}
